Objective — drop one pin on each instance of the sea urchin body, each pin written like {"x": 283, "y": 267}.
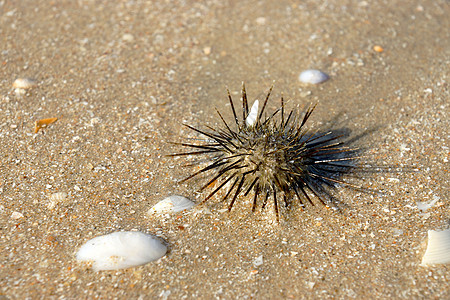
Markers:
{"x": 273, "y": 157}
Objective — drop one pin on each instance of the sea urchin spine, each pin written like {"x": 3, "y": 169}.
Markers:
{"x": 272, "y": 156}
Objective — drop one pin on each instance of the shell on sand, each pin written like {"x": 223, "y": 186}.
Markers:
{"x": 121, "y": 250}
{"x": 438, "y": 248}
{"x": 24, "y": 83}
{"x": 170, "y": 204}
{"x": 313, "y": 76}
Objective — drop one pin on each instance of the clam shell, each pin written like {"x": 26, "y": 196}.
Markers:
{"x": 171, "y": 204}
{"x": 121, "y": 250}
{"x": 438, "y": 248}
{"x": 313, "y": 76}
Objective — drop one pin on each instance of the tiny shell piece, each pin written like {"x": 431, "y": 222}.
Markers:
{"x": 56, "y": 198}
{"x": 313, "y": 76}
{"x": 251, "y": 118}
{"x": 171, "y": 204}
{"x": 207, "y": 50}
{"x": 438, "y": 248}
{"x": 24, "y": 83}
{"x": 128, "y": 37}
{"x": 121, "y": 250}
{"x": 43, "y": 123}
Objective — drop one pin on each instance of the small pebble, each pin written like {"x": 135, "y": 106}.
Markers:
{"x": 128, "y": 37}
{"x": 377, "y": 48}
{"x": 171, "y": 204}
{"x": 313, "y": 76}
{"x": 207, "y": 50}
{"x": 261, "y": 21}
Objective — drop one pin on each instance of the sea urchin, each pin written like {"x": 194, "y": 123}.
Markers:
{"x": 271, "y": 156}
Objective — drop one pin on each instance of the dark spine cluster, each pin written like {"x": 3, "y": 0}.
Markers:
{"x": 273, "y": 156}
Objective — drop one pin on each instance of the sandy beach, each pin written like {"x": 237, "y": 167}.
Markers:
{"x": 121, "y": 77}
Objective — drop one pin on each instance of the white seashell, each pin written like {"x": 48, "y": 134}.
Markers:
{"x": 438, "y": 248}
{"x": 24, "y": 83}
{"x": 424, "y": 206}
{"x": 251, "y": 118}
{"x": 56, "y": 198}
{"x": 313, "y": 76}
{"x": 120, "y": 250}
{"x": 170, "y": 204}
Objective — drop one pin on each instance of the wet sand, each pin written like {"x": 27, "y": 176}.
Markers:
{"x": 122, "y": 76}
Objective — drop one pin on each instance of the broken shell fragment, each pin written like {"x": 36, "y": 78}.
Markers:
{"x": 424, "y": 206}
{"x": 171, "y": 204}
{"x": 43, "y": 123}
{"x": 121, "y": 250}
{"x": 251, "y": 118}
{"x": 438, "y": 248}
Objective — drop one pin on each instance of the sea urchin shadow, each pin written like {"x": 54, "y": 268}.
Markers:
{"x": 274, "y": 157}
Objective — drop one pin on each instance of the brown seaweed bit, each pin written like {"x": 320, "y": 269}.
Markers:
{"x": 43, "y": 123}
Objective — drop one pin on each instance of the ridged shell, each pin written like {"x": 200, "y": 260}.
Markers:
{"x": 438, "y": 248}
